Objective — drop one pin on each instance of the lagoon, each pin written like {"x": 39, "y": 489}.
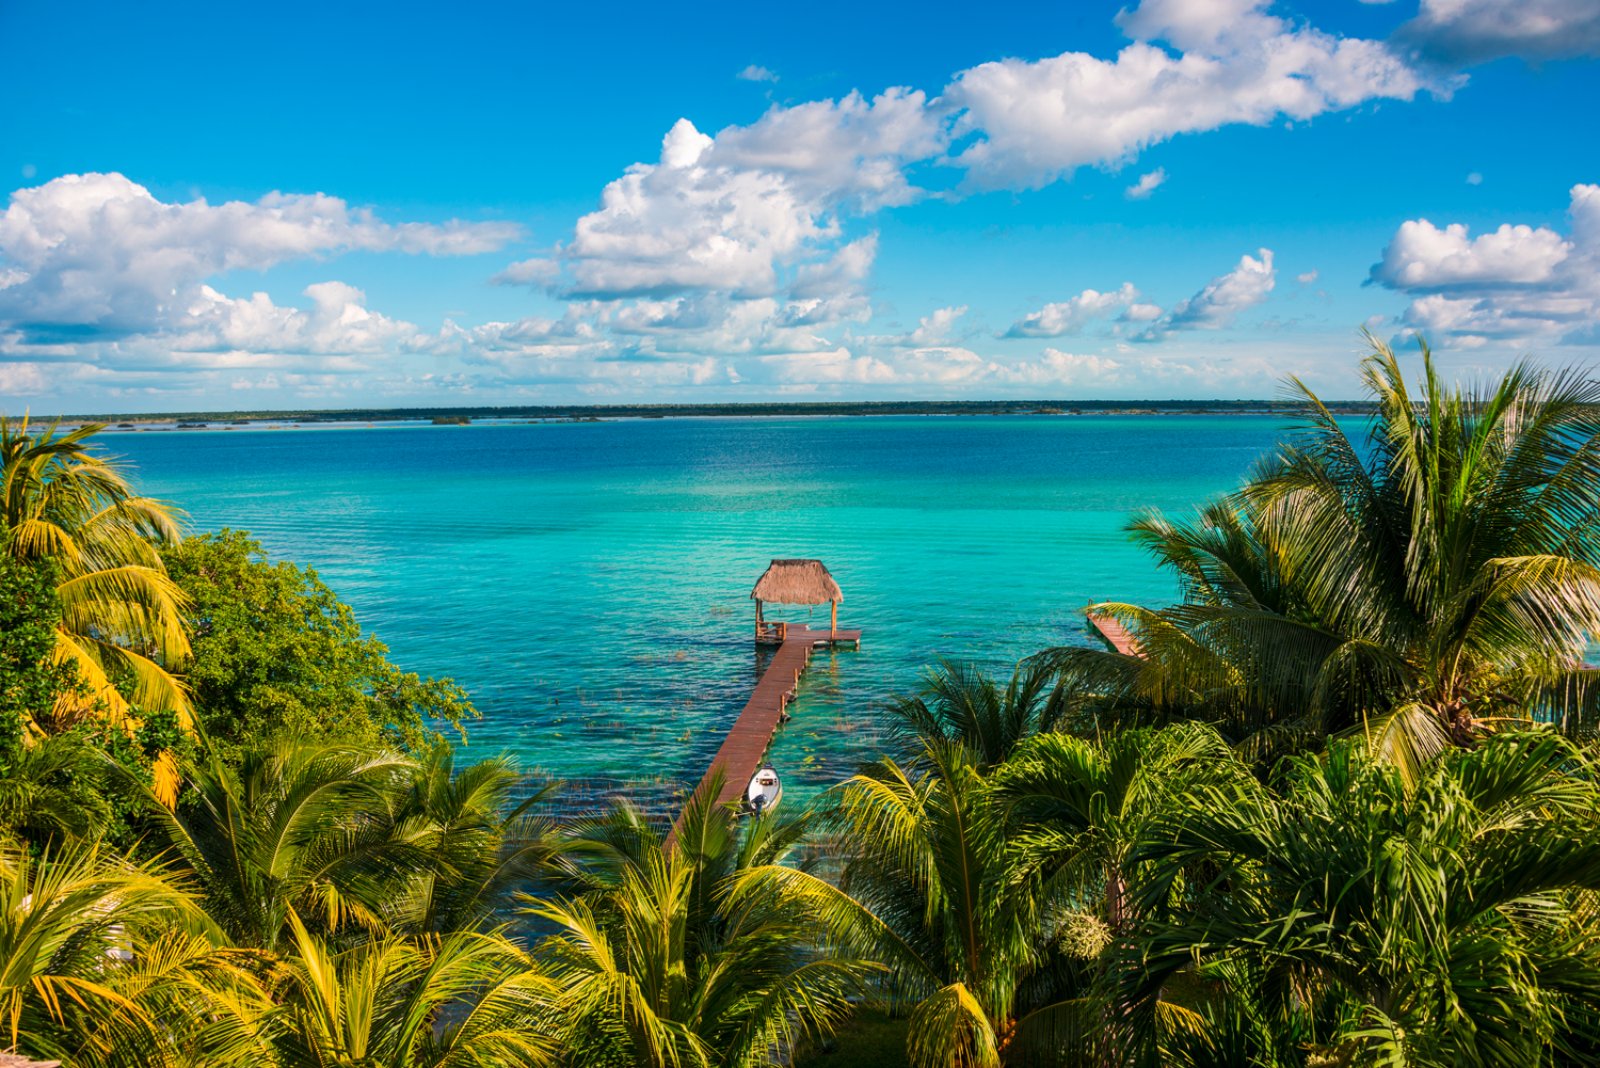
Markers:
{"x": 588, "y": 583}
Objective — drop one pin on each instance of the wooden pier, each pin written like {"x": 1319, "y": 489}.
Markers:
{"x": 1113, "y": 632}
{"x": 745, "y": 747}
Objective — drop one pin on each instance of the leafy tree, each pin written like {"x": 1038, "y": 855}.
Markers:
{"x": 1352, "y": 918}
{"x": 1437, "y": 582}
{"x": 276, "y": 652}
{"x": 354, "y": 841}
{"x": 294, "y": 828}
{"x": 121, "y": 616}
{"x": 31, "y": 680}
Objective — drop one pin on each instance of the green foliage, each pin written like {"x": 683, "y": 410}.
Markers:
{"x": 1356, "y": 919}
{"x": 275, "y": 652}
{"x": 347, "y": 839}
{"x": 108, "y": 964}
{"x": 120, "y": 616}
{"x": 688, "y": 956}
{"x": 30, "y": 681}
{"x": 464, "y": 999}
{"x": 1424, "y": 586}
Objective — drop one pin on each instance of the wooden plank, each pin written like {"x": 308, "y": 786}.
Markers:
{"x": 1114, "y": 633}
{"x": 741, "y": 754}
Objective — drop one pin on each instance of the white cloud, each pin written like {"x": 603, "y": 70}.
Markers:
{"x": 935, "y": 329}
{"x": 734, "y": 212}
{"x": 1515, "y": 283}
{"x": 1038, "y": 121}
{"x": 1306, "y": 279}
{"x": 756, "y": 73}
{"x": 843, "y": 272}
{"x": 1223, "y": 298}
{"x": 1147, "y": 184}
{"x": 1474, "y": 178}
{"x": 1057, "y": 368}
{"x": 1423, "y": 256}
{"x": 1463, "y": 32}
{"x": 98, "y": 251}
{"x": 1071, "y": 315}
{"x": 338, "y": 322}
{"x": 23, "y": 379}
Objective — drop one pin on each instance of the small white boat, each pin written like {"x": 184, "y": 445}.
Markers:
{"x": 764, "y": 791}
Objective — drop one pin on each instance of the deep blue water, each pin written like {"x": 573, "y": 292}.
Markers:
{"x": 588, "y": 583}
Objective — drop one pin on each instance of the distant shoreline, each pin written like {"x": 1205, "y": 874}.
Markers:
{"x": 216, "y": 420}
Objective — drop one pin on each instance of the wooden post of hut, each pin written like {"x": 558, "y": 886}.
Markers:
{"x": 804, "y": 582}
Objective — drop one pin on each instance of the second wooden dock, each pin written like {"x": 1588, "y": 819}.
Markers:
{"x": 1113, "y": 632}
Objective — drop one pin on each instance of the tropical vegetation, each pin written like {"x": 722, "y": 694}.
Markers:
{"x": 1340, "y": 806}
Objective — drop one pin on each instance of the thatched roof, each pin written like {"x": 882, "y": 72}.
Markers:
{"x": 796, "y": 582}
{"x": 12, "y": 1060}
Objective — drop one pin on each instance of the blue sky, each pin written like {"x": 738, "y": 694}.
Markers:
{"x": 353, "y": 205}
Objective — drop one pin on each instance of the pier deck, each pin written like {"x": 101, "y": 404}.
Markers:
{"x": 745, "y": 747}
{"x": 1114, "y": 633}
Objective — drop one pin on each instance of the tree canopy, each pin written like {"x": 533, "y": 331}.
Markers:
{"x": 275, "y": 652}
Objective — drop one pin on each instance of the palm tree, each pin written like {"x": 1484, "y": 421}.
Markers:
{"x": 483, "y": 847}
{"x": 122, "y": 622}
{"x": 109, "y": 964}
{"x": 53, "y": 790}
{"x": 977, "y": 946}
{"x": 460, "y": 1000}
{"x": 1436, "y": 581}
{"x": 313, "y": 829}
{"x": 1352, "y": 918}
{"x": 682, "y": 956}
{"x": 960, "y": 705}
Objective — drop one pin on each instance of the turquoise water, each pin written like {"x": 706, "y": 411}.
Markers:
{"x": 588, "y": 583}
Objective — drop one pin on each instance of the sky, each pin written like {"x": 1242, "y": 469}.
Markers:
{"x": 233, "y": 207}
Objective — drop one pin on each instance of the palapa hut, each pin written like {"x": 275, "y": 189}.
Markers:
{"x": 794, "y": 582}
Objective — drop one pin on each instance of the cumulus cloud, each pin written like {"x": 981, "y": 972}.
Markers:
{"x": 1070, "y": 316}
{"x": 758, "y": 207}
{"x": 756, "y": 73}
{"x": 733, "y": 212}
{"x": 1516, "y": 282}
{"x": 338, "y": 322}
{"x": 1147, "y": 184}
{"x": 934, "y": 329}
{"x": 1421, "y": 256}
{"x": 843, "y": 272}
{"x": 1223, "y": 298}
{"x": 97, "y": 254}
{"x": 1307, "y": 278}
{"x": 1464, "y": 32}
{"x": 1034, "y": 122}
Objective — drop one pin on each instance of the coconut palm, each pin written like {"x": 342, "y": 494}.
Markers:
{"x": 483, "y": 846}
{"x": 122, "y": 621}
{"x": 670, "y": 956}
{"x": 987, "y": 960}
{"x": 107, "y": 963}
{"x": 460, "y": 1000}
{"x": 960, "y": 705}
{"x": 310, "y": 828}
{"x": 54, "y": 790}
{"x": 1351, "y": 918}
{"x": 1436, "y": 580}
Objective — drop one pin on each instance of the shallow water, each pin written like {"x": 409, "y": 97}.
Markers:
{"x": 588, "y": 583}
